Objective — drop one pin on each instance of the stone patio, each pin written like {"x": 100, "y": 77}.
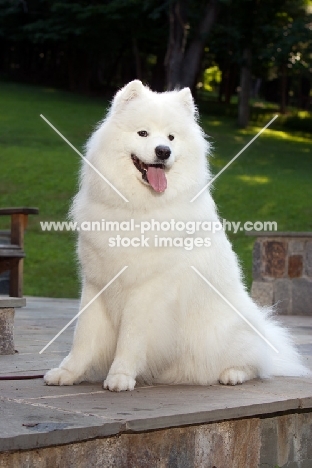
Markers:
{"x": 265, "y": 423}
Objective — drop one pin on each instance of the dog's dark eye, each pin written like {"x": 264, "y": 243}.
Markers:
{"x": 143, "y": 133}
{"x": 171, "y": 137}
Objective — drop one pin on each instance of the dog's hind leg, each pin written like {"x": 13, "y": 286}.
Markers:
{"x": 237, "y": 375}
{"x": 93, "y": 346}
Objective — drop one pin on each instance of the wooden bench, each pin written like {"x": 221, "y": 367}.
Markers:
{"x": 12, "y": 254}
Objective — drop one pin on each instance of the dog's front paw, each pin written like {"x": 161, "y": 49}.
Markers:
{"x": 59, "y": 376}
{"x": 119, "y": 382}
{"x": 233, "y": 376}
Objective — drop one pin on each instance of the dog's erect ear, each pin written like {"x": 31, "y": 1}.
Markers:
{"x": 126, "y": 94}
{"x": 186, "y": 98}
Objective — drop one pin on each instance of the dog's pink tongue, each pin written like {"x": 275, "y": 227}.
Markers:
{"x": 157, "y": 178}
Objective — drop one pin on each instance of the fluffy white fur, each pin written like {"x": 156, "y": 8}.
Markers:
{"x": 159, "y": 322}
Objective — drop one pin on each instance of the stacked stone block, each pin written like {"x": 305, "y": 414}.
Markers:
{"x": 7, "y": 311}
{"x": 282, "y": 271}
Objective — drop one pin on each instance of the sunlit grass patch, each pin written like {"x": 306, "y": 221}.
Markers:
{"x": 254, "y": 180}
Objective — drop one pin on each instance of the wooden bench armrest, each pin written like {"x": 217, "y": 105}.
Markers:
{"x": 21, "y": 210}
{"x": 19, "y": 218}
{"x": 11, "y": 256}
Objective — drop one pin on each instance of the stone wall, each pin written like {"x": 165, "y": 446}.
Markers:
{"x": 282, "y": 272}
{"x": 282, "y": 441}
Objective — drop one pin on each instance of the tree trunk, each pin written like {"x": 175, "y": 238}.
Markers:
{"x": 183, "y": 67}
{"x": 232, "y": 84}
{"x": 221, "y": 85}
{"x": 176, "y": 45}
{"x": 245, "y": 87}
{"x": 227, "y": 86}
{"x": 192, "y": 59}
{"x": 283, "y": 89}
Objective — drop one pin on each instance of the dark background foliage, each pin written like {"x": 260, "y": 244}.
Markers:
{"x": 96, "y": 46}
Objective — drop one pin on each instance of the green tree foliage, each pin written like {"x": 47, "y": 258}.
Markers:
{"x": 81, "y": 44}
{"x": 278, "y": 35}
{"x": 99, "y": 45}
{"x": 288, "y": 50}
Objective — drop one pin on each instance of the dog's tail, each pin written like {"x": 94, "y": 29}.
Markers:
{"x": 287, "y": 361}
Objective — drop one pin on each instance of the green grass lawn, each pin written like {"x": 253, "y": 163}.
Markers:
{"x": 271, "y": 180}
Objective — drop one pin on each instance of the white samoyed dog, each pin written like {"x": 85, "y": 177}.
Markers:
{"x": 159, "y": 322}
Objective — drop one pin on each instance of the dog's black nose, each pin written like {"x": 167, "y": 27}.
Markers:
{"x": 162, "y": 152}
